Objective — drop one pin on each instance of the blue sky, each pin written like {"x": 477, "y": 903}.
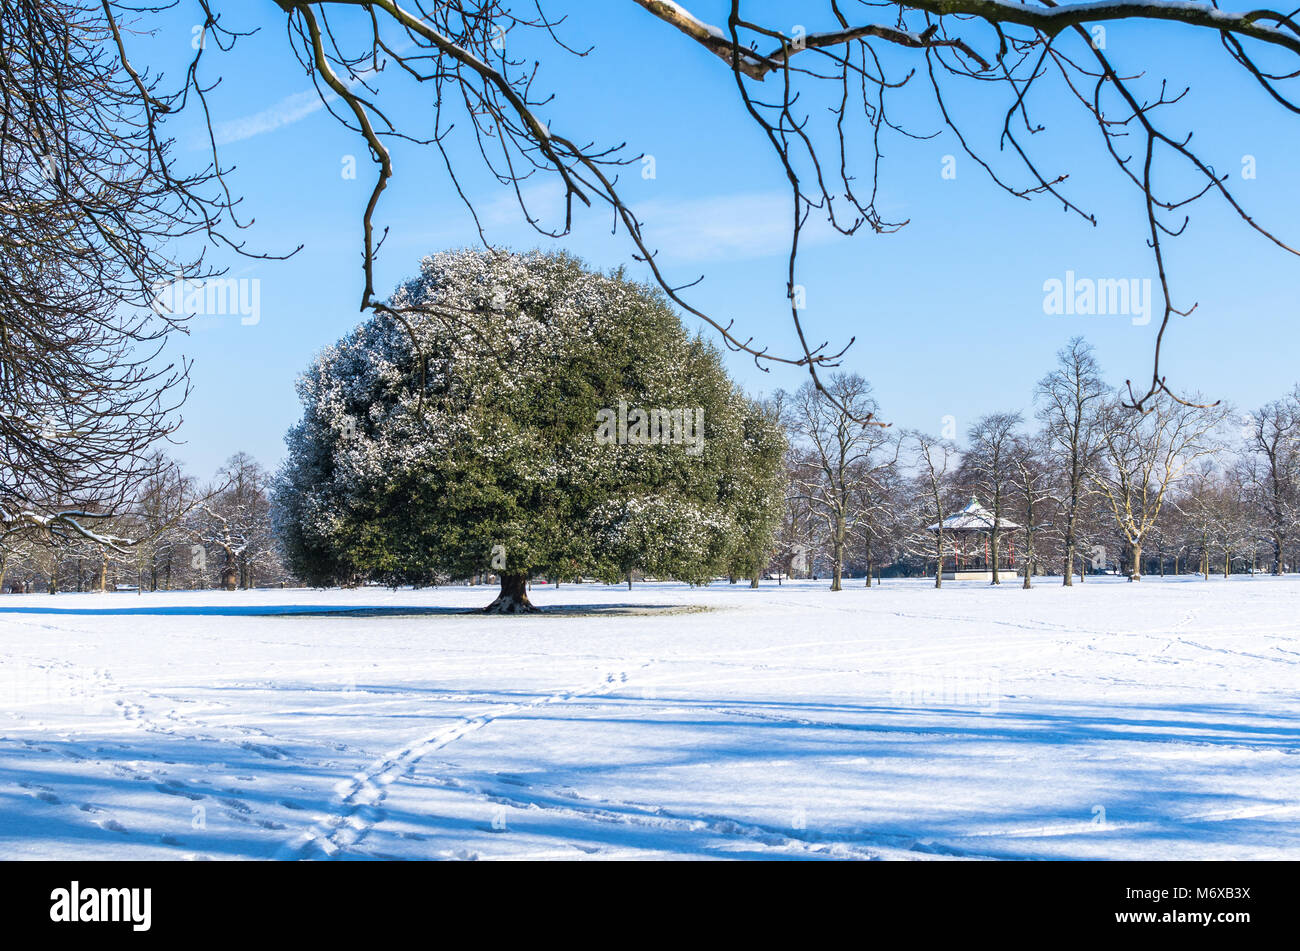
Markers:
{"x": 947, "y": 313}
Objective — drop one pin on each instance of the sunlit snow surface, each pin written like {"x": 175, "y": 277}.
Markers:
{"x": 1109, "y": 720}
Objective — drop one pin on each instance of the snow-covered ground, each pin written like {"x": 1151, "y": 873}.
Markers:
{"x": 1110, "y": 720}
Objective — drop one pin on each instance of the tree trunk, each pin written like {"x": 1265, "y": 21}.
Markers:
{"x": 1068, "y": 579}
{"x": 513, "y": 598}
{"x": 1135, "y": 569}
{"x": 993, "y": 552}
{"x": 837, "y": 555}
{"x": 229, "y": 575}
{"x": 753, "y": 581}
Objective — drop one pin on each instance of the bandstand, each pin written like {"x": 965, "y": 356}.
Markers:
{"x": 968, "y": 534}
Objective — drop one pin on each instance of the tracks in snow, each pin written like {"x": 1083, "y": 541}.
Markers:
{"x": 362, "y": 796}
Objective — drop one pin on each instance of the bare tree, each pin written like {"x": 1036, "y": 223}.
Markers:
{"x": 1143, "y": 455}
{"x": 236, "y": 520}
{"x": 158, "y": 516}
{"x": 844, "y": 452}
{"x": 935, "y": 462}
{"x": 1196, "y": 502}
{"x": 1030, "y": 493}
{"x": 1272, "y": 469}
{"x": 1233, "y": 526}
{"x": 988, "y": 468}
{"x": 95, "y": 219}
{"x": 797, "y": 533}
{"x": 15, "y": 559}
{"x": 878, "y": 494}
{"x": 1069, "y": 396}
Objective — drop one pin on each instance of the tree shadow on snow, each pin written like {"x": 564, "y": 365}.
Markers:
{"x": 360, "y": 611}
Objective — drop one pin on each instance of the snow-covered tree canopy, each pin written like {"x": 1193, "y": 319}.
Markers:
{"x": 513, "y": 439}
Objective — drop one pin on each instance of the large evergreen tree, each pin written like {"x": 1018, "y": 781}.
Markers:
{"x": 519, "y": 438}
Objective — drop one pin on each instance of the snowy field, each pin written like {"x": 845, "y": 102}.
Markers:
{"x": 1110, "y": 720}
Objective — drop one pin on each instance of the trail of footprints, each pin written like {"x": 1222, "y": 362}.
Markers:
{"x": 228, "y": 801}
{"x": 361, "y": 798}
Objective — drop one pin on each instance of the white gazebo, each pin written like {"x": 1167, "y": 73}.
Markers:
{"x": 969, "y": 532}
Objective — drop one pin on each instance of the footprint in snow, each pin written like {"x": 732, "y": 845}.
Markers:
{"x": 270, "y": 752}
{"x": 173, "y": 788}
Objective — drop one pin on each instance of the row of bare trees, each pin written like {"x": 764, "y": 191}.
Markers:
{"x": 1094, "y": 486}
{"x": 175, "y": 533}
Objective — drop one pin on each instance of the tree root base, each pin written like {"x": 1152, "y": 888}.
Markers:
{"x": 509, "y": 604}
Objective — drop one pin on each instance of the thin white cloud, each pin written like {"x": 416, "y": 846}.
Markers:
{"x": 717, "y": 228}
{"x": 292, "y": 108}
{"x": 721, "y": 228}
{"x": 287, "y": 111}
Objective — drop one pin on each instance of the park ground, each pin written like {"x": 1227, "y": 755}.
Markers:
{"x": 1157, "y": 720}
